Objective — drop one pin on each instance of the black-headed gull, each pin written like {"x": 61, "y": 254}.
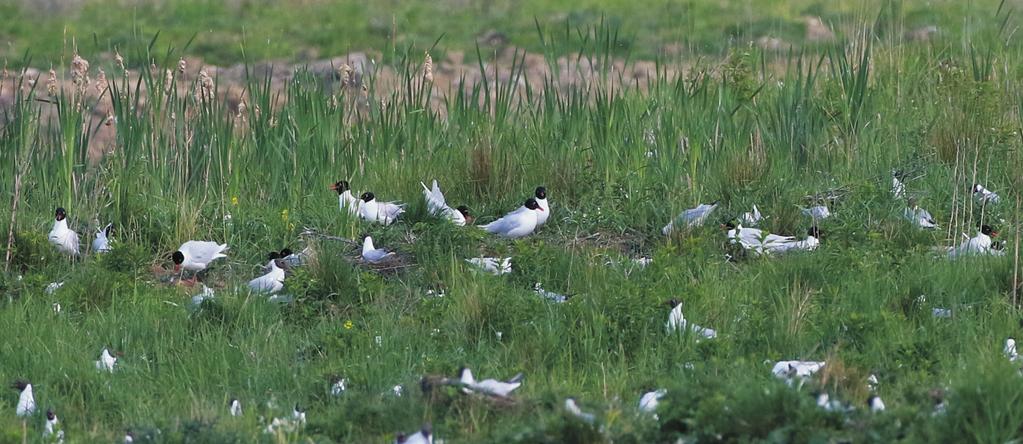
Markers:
{"x": 898, "y": 188}
{"x": 1010, "y": 350}
{"x": 106, "y": 361}
{"x": 976, "y": 245}
{"x": 492, "y": 387}
{"x": 519, "y": 223}
{"x": 573, "y": 409}
{"x": 691, "y": 218}
{"x": 423, "y": 436}
{"x": 678, "y": 323}
{"x": 819, "y": 212}
{"x": 197, "y": 255}
{"x": 26, "y": 400}
{"x": 919, "y": 216}
{"x": 648, "y": 402}
{"x": 791, "y": 371}
{"x": 295, "y": 259}
{"x": 811, "y": 243}
{"x": 550, "y": 295}
{"x": 271, "y": 282}
{"x": 492, "y": 265}
{"x": 372, "y": 254}
{"x": 62, "y": 237}
{"x": 52, "y": 429}
{"x": 437, "y": 206}
{"x": 346, "y": 201}
{"x": 381, "y": 212}
{"x": 541, "y": 199}
{"x": 102, "y": 242}
{"x": 234, "y": 407}
{"x": 984, "y": 195}
{"x": 875, "y": 403}
{"x": 753, "y": 238}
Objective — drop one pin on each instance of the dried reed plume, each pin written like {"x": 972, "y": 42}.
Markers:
{"x": 101, "y": 82}
{"x": 241, "y": 110}
{"x": 205, "y": 86}
{"x": 51, "y": 84}
{"x": 182, "y": 65}
{"x": 168, "y": 81}
{"x": 428, "y": 68}
{"x": 345, "y": 72}
{"x": 118, "y": 60}
{"x": 80, "y": 73}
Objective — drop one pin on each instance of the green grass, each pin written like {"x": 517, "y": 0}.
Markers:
{"x": 763, "y": 129}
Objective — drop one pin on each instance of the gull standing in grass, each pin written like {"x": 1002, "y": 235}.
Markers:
{"x": 102, "y": 242}
{"x": 977, "y": 245}
{"x": 678, "y": 323}
{"x": 518, "y": 223}
{"x": 62, "y": 237}
{"x": 235, "y": 407}
{"x": 753, "y": 238}
{"x": 984, "y": 195}
{"x": 898, "y": 188}
{"x": 381, "y": 212}
{"x": 271, "y": 282}
{"x": 875, "y": 403}
{"x": 791, "y": 371}
{"x": 648, "y": 402}
{"x": 573, "y": 409}
{"x": 919, "y": 216}
{"x": 819, "y": 212}
{"x": 106, "y": 361}
{"x": 372, "y": 254}
{"x": 492, "y": 265}
{"x": 26, "y": 400}
{"x": 52, "y": 429}
{"x": 295, "y": 259}
{"x": 423, "y": 436}
{"x": 550, "y": 295}
{"x": 195, "y": 256}
{"x": 437, "y": 206}
{"x": 345, "y": 200}
{"x": 492, "y": 387}
{"x": 692, "y": 217}
{"x": 1010, "y": 350}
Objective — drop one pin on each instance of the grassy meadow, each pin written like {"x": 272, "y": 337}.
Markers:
{"x": 740, "y": 125}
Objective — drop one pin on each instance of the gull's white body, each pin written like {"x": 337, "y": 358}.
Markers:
{"x": 977, "y": 245}
{"x": 102, "y": 244}
{"x": 490, "y": 387}
{"x": 272, "y": 282}
{"x": 437, "y": 206}
{"x": 691, "y": 218}
{"x": 423, "y": 436}
{"x": 549, "y": 295}
{"x": 876, "y": 404}
{"x": 1010, "y": 350}
{"x": 800, "y": 369}
{"x": 492, "y": 265}
{"x": 519, "y": 223}
{"x": 106, "y": 361}
{"x": 199, "y": 254}
{"x": 818, "y": 212}
{"x": 756, "y": 239}
{"x": 574, "y": 410}
{"x": 541, "y": 218}
{"x": 920, "y": 217}
{"x": 809, "y": 244}
{"x": 984, "y": 195}
{"x": 235, "y": 409}
{"x": 62, "y": 237}
{"x": 898, "y": 188}
{"x": 26, "y": 402}
{"x": 50, "y": 430}
{"x": 648, "y": 402}
{"x": 373, "y": 255}
{"x": 347, "y": 202}
{"x": 678, "y": 323}
{"x": 381, "y": 212}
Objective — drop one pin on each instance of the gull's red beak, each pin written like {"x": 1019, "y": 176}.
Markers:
{"x": 994, "y": 234}
{"x": 177, "y": 268}
{"x": 332, "y": 187}
{"x": 539, "y": 209}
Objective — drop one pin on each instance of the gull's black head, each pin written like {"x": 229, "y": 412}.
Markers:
{"x": 986, "y": 229}
{"x": 976, "y": 187}
{"x": 367, "y": 196}
{"x": 178, "y": 258}
{"x": 60, "y": 214}
{"x": 286, "y": 252}
{"x": 814, "y": 232}
{"x": 19, "y": 385}
{"x": 673, "y": 303}
{"x": 108, "y": 229}
{"x": 273, "y": 255}
{"x": 464, "y": 210}
{"x": 341, "y": 186}
{"x": 532, "y": 204}
{"x": 730, "y": 225}
{"x": 50, "y": 416}
{"x": 541, "y": 193}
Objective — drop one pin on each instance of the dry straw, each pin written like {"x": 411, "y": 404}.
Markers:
{"x": 51, "y": 84}
{"x": 428, "y": 68}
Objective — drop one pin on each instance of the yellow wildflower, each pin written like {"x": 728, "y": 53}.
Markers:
{"x": 234, "y": 200}
{"x": 349, "y": 325}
